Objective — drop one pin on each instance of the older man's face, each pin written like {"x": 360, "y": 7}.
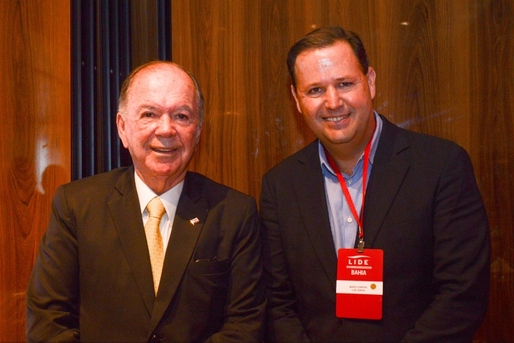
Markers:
{"x": 159, "y": 124}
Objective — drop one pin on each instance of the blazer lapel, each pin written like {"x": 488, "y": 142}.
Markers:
{"x": 126, "y": 215}
{"x": 310, "y": 193}
{"x": 183, "y": 239}
{"x": 386, "y": 178}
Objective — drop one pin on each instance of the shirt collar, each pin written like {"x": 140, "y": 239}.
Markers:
{"x": 169, "y": 198}
{"x": 374, "y": 143}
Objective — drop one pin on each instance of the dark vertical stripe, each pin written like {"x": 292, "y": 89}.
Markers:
{"x": 123, "y": 158}
{"x": 103, "y": 87}
{"x": 114, "y": 34}
{"x": 164, "y": 29}
{"x": 76, "y": 90}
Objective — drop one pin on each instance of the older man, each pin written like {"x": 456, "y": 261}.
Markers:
{"x": 111, "y": 269}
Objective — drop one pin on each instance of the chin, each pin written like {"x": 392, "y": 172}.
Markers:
{"x": 336, "y": 139}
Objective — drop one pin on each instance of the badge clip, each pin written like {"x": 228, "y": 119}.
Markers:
{"x": 360, "y": 247}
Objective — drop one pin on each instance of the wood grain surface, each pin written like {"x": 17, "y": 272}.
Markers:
{"x": 34, "y": 140}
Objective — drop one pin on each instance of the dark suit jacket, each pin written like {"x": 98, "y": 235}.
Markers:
{"x": 423, "y": 208}
{"x": 92, "y": 279}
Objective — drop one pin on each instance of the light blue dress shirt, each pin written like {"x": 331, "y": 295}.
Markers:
{"x": 342, "y": 223}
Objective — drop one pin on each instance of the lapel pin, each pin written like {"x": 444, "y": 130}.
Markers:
{"x": 194, "y": 221}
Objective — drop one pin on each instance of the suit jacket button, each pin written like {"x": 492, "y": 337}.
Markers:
{"x": 154, "y": 339}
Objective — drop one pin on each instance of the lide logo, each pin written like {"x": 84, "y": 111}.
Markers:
{"x": 358, "y": 264}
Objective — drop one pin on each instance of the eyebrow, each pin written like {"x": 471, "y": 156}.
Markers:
{"x": 146, "y": 107}
{"x": 185, "y": 107}
{"x": 153, "y": 108}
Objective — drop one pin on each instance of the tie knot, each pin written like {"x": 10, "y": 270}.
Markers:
{"x": 156, "y": 208}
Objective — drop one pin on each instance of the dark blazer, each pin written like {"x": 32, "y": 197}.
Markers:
{"x": 92, "y": 279}
{"x": 423, "y": 208}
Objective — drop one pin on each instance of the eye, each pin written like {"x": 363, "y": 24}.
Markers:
{"x": 314, "y": 91}
{"x": 148, "y": 114}
{"x": 345, "y": 84}
{"x": 182, "y": 117}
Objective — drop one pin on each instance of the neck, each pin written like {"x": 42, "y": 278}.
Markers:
{"x": 160, "y": 184}
{"x": 344, "y": 160}
{"x": 346, "y": 155}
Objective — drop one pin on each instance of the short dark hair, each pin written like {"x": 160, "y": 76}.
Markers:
{"x": 323, "y": 37}
{"x": 128, "y": 82}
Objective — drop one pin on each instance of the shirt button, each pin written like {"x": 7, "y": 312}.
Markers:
{"x": 350, "y": 219}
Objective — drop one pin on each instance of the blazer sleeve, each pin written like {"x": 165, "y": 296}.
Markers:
{"x": 246, "y": 302}
{"x": 52, "y": 292}
{"x": 282, "y": 321}
{"x": 461, "y": 258}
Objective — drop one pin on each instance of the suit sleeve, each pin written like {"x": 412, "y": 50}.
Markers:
{"x": 244, "y": 312}
{"x": 52, "y": 292}
{"x": 283, "y": 323}
{"x": 461, "y": 258}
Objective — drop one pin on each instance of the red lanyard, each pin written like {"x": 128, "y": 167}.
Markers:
{"x": 346, "y": 193}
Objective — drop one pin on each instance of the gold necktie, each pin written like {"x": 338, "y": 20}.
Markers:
{"x": 154, "y": 239}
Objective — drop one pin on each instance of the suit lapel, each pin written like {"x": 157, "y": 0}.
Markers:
{"x": 126, "y": 215}
{"x": 387, "y": 175}
{"x": 183, "y": 239}
{"x": 310, "y": 193}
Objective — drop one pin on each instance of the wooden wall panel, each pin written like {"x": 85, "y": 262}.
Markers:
{"x": 34, "y": 140}
{"x": 492, "y": 149}
{"x": 444, "y": 67}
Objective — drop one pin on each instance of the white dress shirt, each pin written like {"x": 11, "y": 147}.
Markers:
{"x": 170, "y": 201}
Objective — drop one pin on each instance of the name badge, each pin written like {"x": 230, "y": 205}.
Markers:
{"x": 359, "y": 284}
